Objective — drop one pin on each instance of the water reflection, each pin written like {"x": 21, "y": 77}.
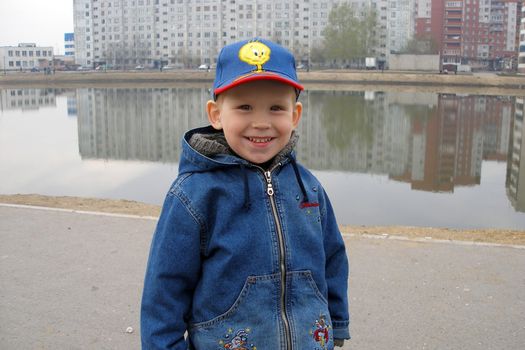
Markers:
{"x": 515, "y": 180}
{"x": 434, "y": 143}
{"x": 26, "y": 99}
{"x": 137, "y": 124}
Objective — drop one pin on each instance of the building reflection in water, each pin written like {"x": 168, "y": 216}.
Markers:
{"x": 137, "y": 124}
{"x": 26, "y": 99}
{"x": 515, "y": 181}
{"x": 435, "y": 142}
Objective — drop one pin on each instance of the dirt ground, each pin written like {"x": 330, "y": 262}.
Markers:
{"x": 499, "y": 236}
{"x": 479, "y": 83}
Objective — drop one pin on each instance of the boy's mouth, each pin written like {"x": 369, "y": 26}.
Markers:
{"x": 260, "y": 139}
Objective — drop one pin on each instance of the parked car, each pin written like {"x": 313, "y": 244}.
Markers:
{"x": 204, "y": 67}
{"x": 449, "y": 68}
{"x": 139, "y": 67}
{"x": 173, "y": 67}
{"x": 35, "y": 69}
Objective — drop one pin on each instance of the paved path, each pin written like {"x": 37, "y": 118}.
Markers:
{"x": 73, "y": 281}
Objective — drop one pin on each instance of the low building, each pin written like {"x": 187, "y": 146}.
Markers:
{"x": 25, "y": 56}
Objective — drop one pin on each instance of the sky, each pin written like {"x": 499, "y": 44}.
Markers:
{"x": 36, "y": 21}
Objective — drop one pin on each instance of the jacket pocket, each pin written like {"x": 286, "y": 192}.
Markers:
{"x": 309, "y": 313}
{"x": 250, "y": 323}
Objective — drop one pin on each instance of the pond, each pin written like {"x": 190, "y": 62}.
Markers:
{"x": 385, "y": 158}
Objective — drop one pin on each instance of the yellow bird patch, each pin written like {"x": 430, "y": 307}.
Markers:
{"x": 255, "y": 53}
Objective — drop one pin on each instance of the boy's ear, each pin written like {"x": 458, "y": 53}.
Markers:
{"x": 214, "y": 114}
{"x": 297, "y": 114}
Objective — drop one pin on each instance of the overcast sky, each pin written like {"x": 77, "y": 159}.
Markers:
{"x": 35, "y": 21}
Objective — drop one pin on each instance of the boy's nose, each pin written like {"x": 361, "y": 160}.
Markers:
{"x": 261, "y": 123}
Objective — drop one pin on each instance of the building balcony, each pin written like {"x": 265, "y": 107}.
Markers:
{"x": 452, "y": 12}
{"x": 454, "y": 40}
{"x": 453, "y": 16}
{"x": 450, "y": 32}
{"x": 451, "y": 52}
{"x": 498, "y": 28}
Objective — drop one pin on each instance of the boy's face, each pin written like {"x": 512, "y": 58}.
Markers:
{"x": 257, "y": 118}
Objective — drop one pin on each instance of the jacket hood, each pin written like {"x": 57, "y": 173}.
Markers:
{"x": 205, "y": 149}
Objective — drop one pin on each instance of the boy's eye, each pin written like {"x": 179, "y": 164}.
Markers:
{"x": 245, "y": 107}
{"x": 277, "y": 108}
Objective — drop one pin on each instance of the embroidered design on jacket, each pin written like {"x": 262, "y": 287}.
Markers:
{"x": 320, "y": 332}
{"x": 238, "y": 342}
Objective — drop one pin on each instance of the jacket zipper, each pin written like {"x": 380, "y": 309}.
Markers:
{"x": 282, "y": 258}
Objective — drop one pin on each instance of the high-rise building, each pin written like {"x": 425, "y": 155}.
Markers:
{"x": 480, "y": 33}
{"x": 423, "y": 12}
{"x": 400, "y": 23}
{"x": 521, "y": 51}
{"x": 151, "y": 32}
{"x": 190, "y": 33}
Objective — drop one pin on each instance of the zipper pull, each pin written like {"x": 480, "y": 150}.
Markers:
{"x": 269, "y": 187}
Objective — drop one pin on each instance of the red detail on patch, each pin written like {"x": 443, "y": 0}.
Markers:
{"x": 309, "y": 205}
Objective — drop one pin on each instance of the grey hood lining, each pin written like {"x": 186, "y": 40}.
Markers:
{"x": 212, "y": 144}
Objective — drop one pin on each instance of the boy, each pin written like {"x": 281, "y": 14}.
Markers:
{"x": 247, "y": 253}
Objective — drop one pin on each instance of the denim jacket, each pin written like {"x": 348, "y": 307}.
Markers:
{"x": 244, "y": 258}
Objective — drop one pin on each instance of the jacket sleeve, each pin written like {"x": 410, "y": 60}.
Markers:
{"x": 171, "y": 276}
{"x": 336, "y": 272}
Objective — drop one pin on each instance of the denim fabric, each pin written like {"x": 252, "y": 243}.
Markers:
{"x": 214, "y": 267}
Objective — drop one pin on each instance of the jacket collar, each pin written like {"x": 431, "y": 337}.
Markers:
{"x": 212, "y": 144}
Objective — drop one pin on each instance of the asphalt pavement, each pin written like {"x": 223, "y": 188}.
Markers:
{"x": 72, "y": 280}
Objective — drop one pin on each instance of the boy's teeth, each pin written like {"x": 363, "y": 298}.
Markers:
{"x": 259, "y": 140}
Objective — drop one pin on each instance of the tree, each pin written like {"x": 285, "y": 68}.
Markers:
{"x": 421, "y": 46}
{"x": 347, "y": 119}
{"x": 317, "y": 54}
{"x": 348, "y": 36}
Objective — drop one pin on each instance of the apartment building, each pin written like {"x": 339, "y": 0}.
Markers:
{"x": 154, "y": 32}
{"x": 423, "y": 10}
{"x": 25, "y": 56}
{"x": 521, "y": 51}
{"x": 190, "y": 33}
{"x": 481, "y": 33}
{"x": 400, "y": 23}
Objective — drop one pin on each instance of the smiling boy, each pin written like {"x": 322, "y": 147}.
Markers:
{"x": 247, "y": 253}
{"x": 257, "y": 118}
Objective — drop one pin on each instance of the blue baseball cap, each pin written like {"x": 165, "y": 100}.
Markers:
{"x": 254, "y": 59}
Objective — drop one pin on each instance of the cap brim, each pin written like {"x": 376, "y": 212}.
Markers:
{"x": 258, "y": 76}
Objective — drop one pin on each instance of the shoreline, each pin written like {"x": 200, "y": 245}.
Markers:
{"x": 127, "y": 207}
{"x": 481, "y": 83}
